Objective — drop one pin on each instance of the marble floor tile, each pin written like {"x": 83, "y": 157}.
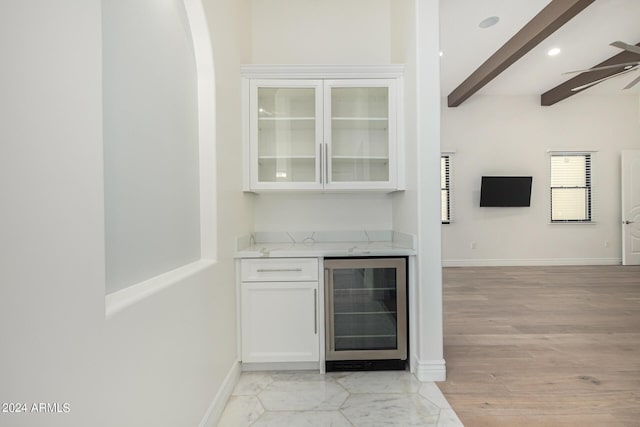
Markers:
{"x": 241, "y": 411}
{"x": 377, "y": 410}
{"x": 379, "y": 382}
{"x": 301, "y": 376}
{"x": 302, "y": 419}
{"x": 337, "y": 399}
{"x": 432, "y": 392}
{"x": 303, "y": 396}
{"x": 252, "y": 383}
{"x": 448, "y": 418}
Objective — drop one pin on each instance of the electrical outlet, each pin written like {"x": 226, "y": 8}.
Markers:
{"x": 473, "y": 245}
{"x": 606, "y": 243}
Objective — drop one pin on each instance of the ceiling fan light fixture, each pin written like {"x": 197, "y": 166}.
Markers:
{"x": 489, "y": 22}
{"x": 554, "y": 51}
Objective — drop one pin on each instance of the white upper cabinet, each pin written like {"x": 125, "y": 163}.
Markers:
{"x": 322, "y": 133}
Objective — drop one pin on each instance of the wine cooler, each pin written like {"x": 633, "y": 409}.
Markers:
{"x": 366, "y": 313}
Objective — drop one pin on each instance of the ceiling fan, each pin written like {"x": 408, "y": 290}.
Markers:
{"x": 625, "y": 67}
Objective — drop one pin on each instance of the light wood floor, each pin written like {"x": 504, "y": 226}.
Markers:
{"x": 543, "y": 346}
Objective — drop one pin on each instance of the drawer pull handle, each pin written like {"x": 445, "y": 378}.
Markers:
{"x": 278, "y": 270}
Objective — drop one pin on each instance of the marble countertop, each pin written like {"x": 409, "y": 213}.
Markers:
{"x": 325, "y": 244}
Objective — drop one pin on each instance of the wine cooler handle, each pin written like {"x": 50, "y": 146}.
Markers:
{"x": 328, "y": 310}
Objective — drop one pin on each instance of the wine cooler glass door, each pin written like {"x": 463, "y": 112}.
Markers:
{"x": 366, "y": 313}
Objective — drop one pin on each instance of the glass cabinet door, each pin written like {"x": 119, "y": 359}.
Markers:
{"x": 360, "y": 133}
{"x": 286, "y": 133}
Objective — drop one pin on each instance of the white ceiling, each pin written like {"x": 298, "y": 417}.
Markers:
{"x": 584, "y": 42}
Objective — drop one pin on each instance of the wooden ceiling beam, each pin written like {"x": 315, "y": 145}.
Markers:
{"x": 563, "y": 90}
{"x": 552, "y": 17}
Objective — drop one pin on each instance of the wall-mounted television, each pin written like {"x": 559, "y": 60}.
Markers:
{"x": 505, "y": 191}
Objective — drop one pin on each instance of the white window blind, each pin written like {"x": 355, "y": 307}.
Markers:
{"x": 571, "y": 195}
{"x": 445, "y": 189}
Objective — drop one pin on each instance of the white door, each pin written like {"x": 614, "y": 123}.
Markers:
{"x": 631, "y": 207}
{"x": 280, "y": 322}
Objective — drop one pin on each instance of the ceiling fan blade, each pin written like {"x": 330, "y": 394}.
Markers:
{"x": 626, "y": 46}
{"x": 633, "y": 83}
{"x": 595, "y": 82}
{"x": 606, "y": 67}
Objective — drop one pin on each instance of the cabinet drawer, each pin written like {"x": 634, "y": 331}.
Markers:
{"x": 279, "y": 269}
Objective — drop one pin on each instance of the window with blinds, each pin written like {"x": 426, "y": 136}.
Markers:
{"x": 445, "y": 188}
{"x": 571, "y": 198}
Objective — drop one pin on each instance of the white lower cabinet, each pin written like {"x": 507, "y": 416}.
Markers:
{"x": 279, "y": 318}
{"x": 279, "y": 322}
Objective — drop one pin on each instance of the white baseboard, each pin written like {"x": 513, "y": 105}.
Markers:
{"x": 534, "y": 262}
{"x": 429, "y": 370}
{"x": 212, "y": 416}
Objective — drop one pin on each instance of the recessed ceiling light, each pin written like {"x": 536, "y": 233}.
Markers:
{"x": 489, "y": 22}
{"x": 553, "y": 52}
{"x": 441, "y": 53}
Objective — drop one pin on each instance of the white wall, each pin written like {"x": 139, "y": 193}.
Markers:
{"x": 415, "y": 42}
{"x": 51, "y": 227}
{"x": 510, "y": 135}
{"x": 312, "y": 212}
{"x": 230, "y": 27}
{"x": 327, "y": 32}
{"x": 162, "y": 361}
{"x": 170, "y": 354}
{"x": 404, "y": 51}
{"x": 320, "y": 32}
{"x": 152, "y": 206}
